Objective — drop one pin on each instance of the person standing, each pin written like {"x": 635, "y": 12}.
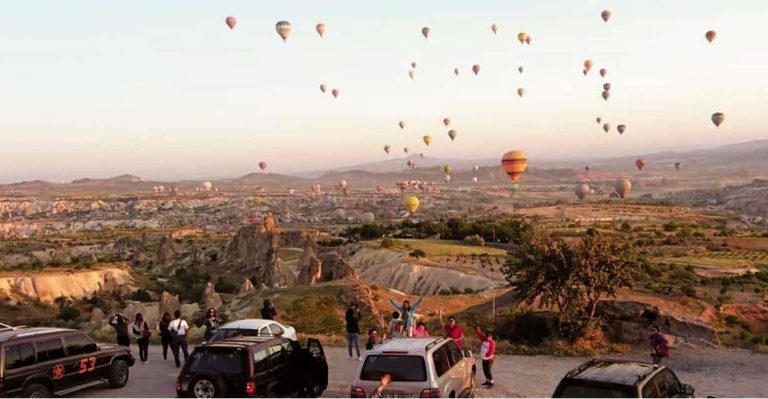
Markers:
{"x": 373, "y": 338}
{"x": 453, "y": 330}
{"x": 165, "y": 335}
{"x": 487, "y": 353}
{"x": 120, "y": 324}
{"x": 268, "y": 312}
{"x": 178, "y": 328}
{"x": 659, "y": 345}
{"x": 395, "y": 326}
{"x": 211, "y": 324}
{"x": 353, "y": 329}
{"x": 408, "y": 313}
{"x": 140, "y": 332}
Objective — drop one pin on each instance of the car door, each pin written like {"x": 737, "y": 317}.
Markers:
{"x": 319, "y": 370}
{"x": 91, "y": 365}
{"x": 261, "y": 370}
{"x": 442, "y": 364}
{"x": 460, "y": 371}
{"x": 19, "y": 364}
{"x": 667, "y": 383}
{"x": 280, "y": 371}
{"x": 52, "y": 357}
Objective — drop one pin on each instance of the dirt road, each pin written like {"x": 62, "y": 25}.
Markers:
{"x": 721, "y": 373}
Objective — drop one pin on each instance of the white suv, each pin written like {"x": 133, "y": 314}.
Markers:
{"x": 420, "y": 367}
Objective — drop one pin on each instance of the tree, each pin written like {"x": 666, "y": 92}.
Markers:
{"x": 571, "y": 278}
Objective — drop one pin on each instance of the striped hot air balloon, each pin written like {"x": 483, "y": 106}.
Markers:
{"x": 514, "y": 163}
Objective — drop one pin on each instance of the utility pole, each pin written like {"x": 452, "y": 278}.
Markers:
{"x": 493, "y": 301}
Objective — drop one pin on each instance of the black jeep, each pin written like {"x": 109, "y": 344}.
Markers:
{"x": 254, "y": 366}
{"x": 40, "y": 362}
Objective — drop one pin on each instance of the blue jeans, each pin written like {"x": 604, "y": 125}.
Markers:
{"x": 353, "y": 338}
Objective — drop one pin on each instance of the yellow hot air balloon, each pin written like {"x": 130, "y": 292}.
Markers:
{"x": 447, "y": 169}
{"x": 605, "y": 15}
{"x": 718, "y": 118}
{"x": 425, "y": 32}
{"x": 520, "y": 91}
{"x": 427, "y": 140}
{"x": 522, "y": 37}
{"x": 411, "y": 204}
{"x": 514, "y": 164}
{"x": 452, "y": 134}
{"x": 257, "y": 201}
{"x": 320, "y": 28}
{"x": 283, "y": 29}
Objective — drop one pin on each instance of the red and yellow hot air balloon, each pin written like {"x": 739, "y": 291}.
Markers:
{"x": 514, "y": 164}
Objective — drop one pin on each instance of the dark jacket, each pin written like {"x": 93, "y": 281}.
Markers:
{"x": 268, "y": 313}
{"x": 353, "y": 317}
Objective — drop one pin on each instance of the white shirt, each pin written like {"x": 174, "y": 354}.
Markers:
{"x": 180, "y": 326}
{"x": 484, "y": 348}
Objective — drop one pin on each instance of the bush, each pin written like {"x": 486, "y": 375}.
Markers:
{"x": 444, "y": 291}
{"x": 528, "y": 328}
{"x": 417, "y": 253}
{"x": 731, "y": 320}
{"x": 475, "y": 240}
{"x": 68, "y": 312}
{"x": 387, "y": 243}
{"x": 141, "y": 295}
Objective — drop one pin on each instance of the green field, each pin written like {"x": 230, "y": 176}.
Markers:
{"x": 433, "y": 247}
{"x": 709, "y": 262}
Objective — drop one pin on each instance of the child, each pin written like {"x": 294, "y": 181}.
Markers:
{"x": 420, "y": 330}
{"x": 373, "y": 338}
{"x": 396, "y": 326}
{"x": 487, "y": 353}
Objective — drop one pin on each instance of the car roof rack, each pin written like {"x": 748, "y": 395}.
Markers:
{"x": 435, "y": 342}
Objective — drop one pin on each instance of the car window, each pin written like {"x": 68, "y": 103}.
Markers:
{"x": 288, "y": 348}
{"x": 667, "y": 383}
{"x": 17, "y": 356}
{"x": 277, "y": 356}
{"x": 440, "y": 359}
{"x": 276, "y": 330}
{"x": 260, "y": 360}
{"x": 455, "y": 352}
{"x": 651, "y": 389}
{"x": 51, "y": 349}
{"x": 79, "y": 344}
{"x": 579, "y": 389}
{"x": 264, "y": 332}
{"x": 225, "y": 333}
{"x": 219, "y": 361}
{"x": 401, "y": 368}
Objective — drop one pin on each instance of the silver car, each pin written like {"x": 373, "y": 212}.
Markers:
{"x": 254, "y": 327}
{"x": 431, "y": 367}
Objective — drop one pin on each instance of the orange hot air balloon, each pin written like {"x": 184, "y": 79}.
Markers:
{"x": 335, "y": 93}
{"x": 425, "y": 32}
{"x": 605, "y": 15}
{"x": 603, "y": 72}
{"x": 262, "y": 165}
{"x": 718, "y": 118}
{"x": 401, "y": 124}
{"x": 621, "y": 128}
{"x": 710, "y": 35}
{"x": 606, "y": 94}
{"x": 606, "y": 127}
{"x": 514, "y": 164}
{"x": 622, "y": 187}
{"x": 588, "y": 65}
{"x": 446, "y": 121}
{"x": 452, "y": 134}
{"x": 231, "y": 22}
{"x": 520, "y": 91}
{"x": 476, "y": 68}
{"x": 320, "y": 28}
{"x": 640, "y": 163}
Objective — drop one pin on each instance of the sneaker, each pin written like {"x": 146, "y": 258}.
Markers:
{"x": 490, "y": 385}
{"x": 486, "y": 383}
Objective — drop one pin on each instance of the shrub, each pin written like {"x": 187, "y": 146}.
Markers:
{"x": 141, "y": 295}
{"x": 417, "y": 253}
{"x": 444, "y": 291}
{"x": 68, "y": 312}
{"x": 387, "y": 243}
{"x": 529, "y": 328}
{"x": 731, "y": 320}
{"x": 474, "y": 240}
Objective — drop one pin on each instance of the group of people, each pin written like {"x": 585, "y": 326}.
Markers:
{"x": 173, "y": 331}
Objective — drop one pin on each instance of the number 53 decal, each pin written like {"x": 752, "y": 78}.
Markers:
{"x": 87, "y": 364}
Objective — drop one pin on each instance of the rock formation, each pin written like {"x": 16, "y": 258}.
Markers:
{"x": 211, "y": 298}
{"x": 164, "y": 252}
{"x": 246, "y": 287}
{"x": 169, "y": 303}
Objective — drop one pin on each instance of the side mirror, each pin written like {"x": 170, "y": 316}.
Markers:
{"x": 467, "y": 353}
{"x": 687, "y": 389}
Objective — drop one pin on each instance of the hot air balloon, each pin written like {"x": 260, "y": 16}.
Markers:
{"x": 494, "y": 28}
{"x": 599, "y": 119}
{"x": 520, "y": 91}
{"x": 411, "y": 74}
{"x": 425, "y": 32}
{"x": 283, "y": 29}
{"x": 323, "y": 88}
{"x": 207, "y": 186}
{"x": 343, "y": 184}
{"x": 367, "y": 218}
{"x": 427, "y": 140}
{"x": 718, "y": 118}
{"x": 584, "y": 71}
{"x": 603, "y": 72}
{"x": 421, "y": 154}
{"x": 520, "y": 69}
{"x": 710, "y": 35}
{"x": 621, "y": 128}
{"x": 605, "y": 15}
{"x": 320, "y": 28}
{"x": 476, "y": 168}
{"x": 622, "y": 187}
{"x": 410, "y": 164}
{"x": 401, "y": 124}
{"x": 340, "y": 213}
{"x": 446, "y": 121}
{"x": 413, "y": 65}
{"x": 640, "y": 163}
{"x": 452, "y": 134}
{"x": 379, "y": 189}
{"x": 474, "y": 180}
{"x": 582, "y": 190}
{"x": 522, "y": 37}
{"x": 387, "y": 149}
{"x": 405, "y": 150}
{"x": 606, "y": 86}
{"x": 232, "y": 21}
{"x": 335, "y": 93}
{"x": 587, "y": 168}
{"x": 514, "y": 164}
{"x": 262, "y": 165}
{"x": 606, "y": 127}
{"x": 528, "y": 39}
{"x": 678, "y": 165}
{"x": 588, "y": 65}
{"x": 476, "y": 68}
{"x": 456, "y": 71}
{"x": 291, "y": 191}
{"x": 447, "y": 178}
{"x": 606, "y": 94}
{"x": 411, "y": 204}
{"x": 447, "y": 169}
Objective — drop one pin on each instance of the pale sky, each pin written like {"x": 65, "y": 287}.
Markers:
{"x": 163, "y": 89}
